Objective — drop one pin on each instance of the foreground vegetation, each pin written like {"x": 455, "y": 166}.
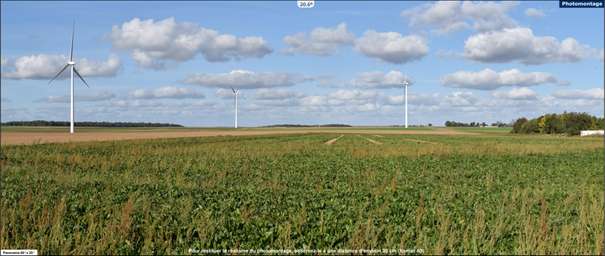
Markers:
{"x": 444, "y": 194}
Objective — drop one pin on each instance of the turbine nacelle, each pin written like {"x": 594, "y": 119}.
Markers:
{"x": 71, "y": 63}
{"x": 406, "y": 82}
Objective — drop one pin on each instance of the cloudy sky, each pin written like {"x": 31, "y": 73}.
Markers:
{"x": 340, "y": 62}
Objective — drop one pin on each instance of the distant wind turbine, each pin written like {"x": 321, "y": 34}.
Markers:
{"x": 72, "y": 65}
{"x": 405, "y": 89}
{"x": 235, "y": 93}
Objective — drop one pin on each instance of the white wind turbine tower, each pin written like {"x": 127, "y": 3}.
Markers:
{"x": 72, "y": 65}
{"x": 405, "y": 89}
{"x": 235, "y": 93}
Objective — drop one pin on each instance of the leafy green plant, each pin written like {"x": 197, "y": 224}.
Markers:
{"x": 444, "y": 194}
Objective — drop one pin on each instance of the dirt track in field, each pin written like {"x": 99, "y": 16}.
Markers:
{"x": 15, "y": 137}
{"x": 332, "y": 141}
{"x": 372, "y": 141}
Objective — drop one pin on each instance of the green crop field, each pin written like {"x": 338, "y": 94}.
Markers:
{"x": 490, "y": 193}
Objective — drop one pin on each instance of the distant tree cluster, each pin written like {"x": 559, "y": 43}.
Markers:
{"x": 501, "y": 124}
{"x": 460, "y": 124}
{"x": 567, "y": 123}
{"x": 306, "y": 125}
{"x": 88, "y": 124}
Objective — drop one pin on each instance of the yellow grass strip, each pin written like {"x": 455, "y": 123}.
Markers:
{"x": 332, "y": 141}
{"x": 371, "y": 140}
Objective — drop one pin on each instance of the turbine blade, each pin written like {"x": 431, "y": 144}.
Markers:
{"x": 71, "y": 51}
{"x": 233, "y": 89}
{"x": 81, "y": 78}
{"x": 58, "y": 74}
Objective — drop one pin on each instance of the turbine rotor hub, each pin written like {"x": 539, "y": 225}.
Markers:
{"x": 71, "y": 63}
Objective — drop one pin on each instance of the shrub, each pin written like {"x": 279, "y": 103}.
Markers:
{"x": 518, "y": 124}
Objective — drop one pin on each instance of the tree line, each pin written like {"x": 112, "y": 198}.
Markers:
{"x": 88, "y": 124}
{"x": 567, "y": 123}
{"x": 461, "y": 124}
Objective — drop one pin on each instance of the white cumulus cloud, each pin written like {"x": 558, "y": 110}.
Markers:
{"x": 413, "y": 99}
{"x": 489, "y": 79}
{"x": 380, "y": 80}
{"x": 45, "y": 66}
{"x": 522, "y": 93}
{"x": 321, "y": 41}
{"x": 520, "y": 44}
{"x": 352, "y": 95}
{"x": 244, "y": 79}
{"x": 275, "y": 94}
{"x": 166, "y": 92}
{"x": 154, "y": 42}
{"x": 589, "y": 94}
{"x": 341, "y": 100}
{"x": 224, "y": 93}
{"x": 449, "y": 16}
{"x": 392, "y": 47}
{"x": 85, "y": 97}
{"x": 461, "y": 99}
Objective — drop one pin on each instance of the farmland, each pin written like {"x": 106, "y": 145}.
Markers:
{"x": 469, "y": 191}
{"x": 30, "y": 135}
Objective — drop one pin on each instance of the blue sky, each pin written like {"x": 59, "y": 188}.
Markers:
{"x": 340, "y": 62}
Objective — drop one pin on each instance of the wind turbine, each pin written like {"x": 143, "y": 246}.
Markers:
{"x": 235, "y": 93}
{"x": 405, "y": 89}
{"x": 72, "y": 65}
